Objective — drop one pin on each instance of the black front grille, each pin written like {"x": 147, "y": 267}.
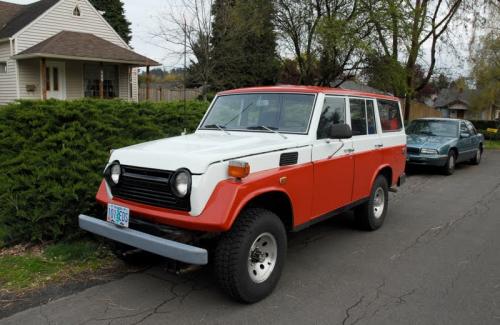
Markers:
{"x": 148, "y": 186}
{"x": 413, "y": 151}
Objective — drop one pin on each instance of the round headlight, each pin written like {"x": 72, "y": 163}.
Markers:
{"x": 181, "y": 183}
{"x": 115, "y": 173}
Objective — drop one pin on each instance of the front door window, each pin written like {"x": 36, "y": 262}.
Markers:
{"x": 55, "y": 73}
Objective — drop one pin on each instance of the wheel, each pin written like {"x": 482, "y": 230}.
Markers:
{"x": 477, "y": 159}
{"x": 371, "y": 215}
{"x": 250, "y": 257}
{"x": 449, "y": 167}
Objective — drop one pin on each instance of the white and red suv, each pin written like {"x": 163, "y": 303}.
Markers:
{"x": 263, "y": 162}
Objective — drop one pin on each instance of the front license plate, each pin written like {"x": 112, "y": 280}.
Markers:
{"x": 118, "y": 215}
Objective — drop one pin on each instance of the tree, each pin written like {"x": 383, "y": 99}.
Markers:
{"x": 486, "y": 73}
{"x": 189, "y": 27}
{"x": 115, "y": 16}
{"x": 403, "y": 27}
{"x": 244, "y": 43}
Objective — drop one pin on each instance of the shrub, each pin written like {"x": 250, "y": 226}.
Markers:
{"x": 485, "y": 124}
{"x": 52, "y": 155}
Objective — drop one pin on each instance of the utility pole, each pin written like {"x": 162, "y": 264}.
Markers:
{"x": 184, "y": 72}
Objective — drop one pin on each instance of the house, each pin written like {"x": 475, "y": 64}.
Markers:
{"x": 64, "y": 49}
{"x": 456, "y": 103}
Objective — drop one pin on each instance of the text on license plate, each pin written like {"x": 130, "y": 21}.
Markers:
{"x": 118, "y": 215}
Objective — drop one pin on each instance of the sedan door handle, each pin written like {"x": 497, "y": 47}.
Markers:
{"x": 349, "y": 150}
{"x": 379, "y": 145}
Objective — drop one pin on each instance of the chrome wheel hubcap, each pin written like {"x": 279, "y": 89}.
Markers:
{"x": 262, "y": 257}
{"x": 379, "y": 202}
{"x": 451, "y": 163}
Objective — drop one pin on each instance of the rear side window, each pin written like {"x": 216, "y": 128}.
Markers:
{"x": 390, "y": 117}
{"x": 362, "y": 116}
{"x": 333, "y": 113}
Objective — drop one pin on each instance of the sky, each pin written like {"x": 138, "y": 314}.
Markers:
{"x": 145, "y": 16}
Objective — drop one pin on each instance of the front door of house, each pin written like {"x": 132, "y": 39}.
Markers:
{"x": 56, "y": 80}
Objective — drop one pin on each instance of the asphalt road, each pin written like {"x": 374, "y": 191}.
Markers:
{"x": 435, "y": 261}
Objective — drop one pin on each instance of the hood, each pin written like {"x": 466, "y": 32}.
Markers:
{"x": 197, "y": 151}
{"x": 427, "y": 141}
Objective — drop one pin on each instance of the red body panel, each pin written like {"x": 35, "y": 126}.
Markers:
{"x": 313, "y": 189}
{"x": 332, "y": 184}
{"x": 366, "y": 165}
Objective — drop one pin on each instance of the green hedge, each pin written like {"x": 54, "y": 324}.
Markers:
{"x": 485, "y": 124}
{"x": 52, "y": 155}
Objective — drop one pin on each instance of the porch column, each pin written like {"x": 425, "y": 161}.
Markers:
{"x": 43, "y": 74}
{"x": 147, "y": 82}
{"x": 101, "y": 80}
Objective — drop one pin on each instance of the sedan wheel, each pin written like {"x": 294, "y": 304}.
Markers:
{"x": 449, "y": 167}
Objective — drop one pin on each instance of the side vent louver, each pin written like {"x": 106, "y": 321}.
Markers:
{"x": 289, "y": 158}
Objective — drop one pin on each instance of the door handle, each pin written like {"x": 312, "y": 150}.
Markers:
{"x": 379, "y": 145}
{"x": 349, "y": 150}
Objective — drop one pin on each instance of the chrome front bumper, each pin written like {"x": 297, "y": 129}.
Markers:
{"x": 157, "y": 245}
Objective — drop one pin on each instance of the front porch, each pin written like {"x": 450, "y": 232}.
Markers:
{"x": 72, "y": 79}
{"x": 74, "y": 65}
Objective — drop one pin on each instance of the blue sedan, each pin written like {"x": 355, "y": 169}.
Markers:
{"x": 443, "y": 143}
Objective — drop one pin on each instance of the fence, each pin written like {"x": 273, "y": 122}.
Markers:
{"x": 419, "y": 110}
{"x": 168, "y": 95}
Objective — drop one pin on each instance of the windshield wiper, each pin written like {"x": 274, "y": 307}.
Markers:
{"x": 260, "y": 127}
{"x": 211, "y": 126}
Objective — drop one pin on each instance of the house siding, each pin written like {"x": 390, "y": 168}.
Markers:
{"x": 29, "y": 74}
{"x": 123, "y": 82}
{"x": 74, "y": 79}
{"x": 60, "y": 17}
{"x": 8, "y": 88}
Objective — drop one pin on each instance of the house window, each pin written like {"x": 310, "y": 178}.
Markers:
{"x": 76, "y": 11}
{"x": 92, "y": 76}
{"x": 3, "y": 67}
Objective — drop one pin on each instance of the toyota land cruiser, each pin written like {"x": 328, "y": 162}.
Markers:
{"x": 263, "y": 161}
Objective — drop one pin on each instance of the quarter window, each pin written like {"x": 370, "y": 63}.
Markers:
{"x": 362, "y": 116}
{"x": 390, "y": 116}
{"x": 3, "y": 67}
{"x": 333, "y": 113}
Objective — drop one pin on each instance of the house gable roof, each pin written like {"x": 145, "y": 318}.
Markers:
{"x": 14, "y": 17}
{"x": 451, "y": 96}
{"x": 83, "y": 46}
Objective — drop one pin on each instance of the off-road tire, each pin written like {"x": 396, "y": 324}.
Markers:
{"x": 232, "y": 254}
{"x": 364, "y": 214}
{"x": 449, "y": 166}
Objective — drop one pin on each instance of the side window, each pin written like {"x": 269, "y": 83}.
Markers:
{"x": 333, "y": 113}
{"x": 358, "y": 116}
{"x": 3, "y": 67}
{"x": 390, "y": 117}
{"x": 471, "y": 128}
{"x": 463, "y": 128}
{"x": 370, "y": 113}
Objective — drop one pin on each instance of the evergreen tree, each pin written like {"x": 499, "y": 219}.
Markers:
{"x": 244, "y": 43}
{"x": 115, "y": 16}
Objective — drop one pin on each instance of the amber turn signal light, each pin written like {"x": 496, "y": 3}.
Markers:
{"x": 238, "y": 169}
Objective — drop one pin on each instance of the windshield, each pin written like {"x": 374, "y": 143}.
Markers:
{"x": 288, "y": 113}
{"x": 433, "y": 128}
